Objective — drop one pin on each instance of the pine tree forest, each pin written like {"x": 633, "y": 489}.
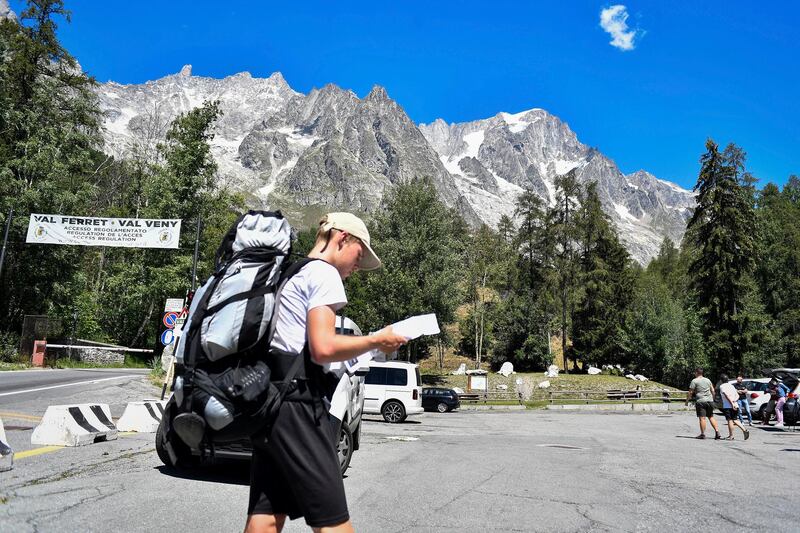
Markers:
{"x": 554, "y": 278}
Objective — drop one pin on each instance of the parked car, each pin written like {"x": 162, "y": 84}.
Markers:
{"x": 393, "y": 389}
{"x": 791, "y": 378}
{"x": 756, "y": 393}
{"x": 438, "y": 399}
{"x": 347, "y": 404}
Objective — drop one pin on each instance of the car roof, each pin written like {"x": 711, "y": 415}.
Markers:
{"x": 342, "y": 322}
{"x": 393, "y": 364}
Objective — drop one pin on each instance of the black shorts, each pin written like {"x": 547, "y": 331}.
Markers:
{"x": 704, "y": 409}
{"x": 730, "y": 413}
{"x": 296, "y": 471}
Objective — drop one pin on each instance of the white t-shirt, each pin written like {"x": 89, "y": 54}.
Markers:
{"x": 316, "y": 284}
{"x": 727, "y": 391}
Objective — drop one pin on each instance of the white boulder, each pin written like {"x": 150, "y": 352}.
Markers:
{"x": 641, "y": 377}
{"x": 544, "y": 384}
{"x": 630, "y": 376}
{"x": 594, "y": 371}
{"x": 552, "y": 371}
{"x": 502, "y": 387}
{"x": 507, "y": 369}
{"x": 461, "y": 370}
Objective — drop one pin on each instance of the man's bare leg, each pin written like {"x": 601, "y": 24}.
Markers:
{"x": 345, "y": 527}
{"x": 714, "y": 424}
{"x": 264, "y": 523}
{"x": 702, "y": 420}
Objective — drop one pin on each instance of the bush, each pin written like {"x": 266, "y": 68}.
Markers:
{"x": 9, "y": 347}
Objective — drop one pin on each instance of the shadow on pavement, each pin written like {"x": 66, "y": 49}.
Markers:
{"x": 382, "y": 421}
{"x": 231, "y": 472}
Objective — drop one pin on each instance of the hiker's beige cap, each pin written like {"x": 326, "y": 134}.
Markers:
{"x": 354, "y": 226}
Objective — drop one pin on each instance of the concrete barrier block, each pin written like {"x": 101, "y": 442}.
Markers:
{"x": 142, "y": 417}
{"x": 6, "y": 453}
{"x": 74, "y": 425}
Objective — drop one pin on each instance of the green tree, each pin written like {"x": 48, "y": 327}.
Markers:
{"x": 563, "y": 232}
{"x": 721, "y": 228}
{"x": 136, "y": 282}
{"x": 421, "y": 244}
{"x": 600, "y": 334}
{"x": 49, "y": 157}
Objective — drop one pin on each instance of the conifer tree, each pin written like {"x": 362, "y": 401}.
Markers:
{"x": 563, "y": 233}
{"x": 600, "y": 321}
{"x": 721, "y": 228}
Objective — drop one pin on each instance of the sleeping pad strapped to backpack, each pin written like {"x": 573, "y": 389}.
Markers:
{"x": 224, "y": 389}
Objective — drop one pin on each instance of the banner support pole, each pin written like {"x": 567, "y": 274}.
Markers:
{"x": 196, "y": 251}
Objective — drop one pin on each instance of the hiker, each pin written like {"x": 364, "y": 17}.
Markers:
{"x": 730, "y": 406}
{"x": 744, "y": 400}
{"x": 702, "y": 390}
{"x": 777, "y": 392}
{"x": 295, "y": 470}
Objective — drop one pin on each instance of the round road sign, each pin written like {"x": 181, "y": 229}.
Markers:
{"x": 170, "y": 319}
{"x": 167, "y": 337}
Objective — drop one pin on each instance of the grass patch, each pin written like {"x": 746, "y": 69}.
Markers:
{"x": 157, "y": 373}
{"x": 13, "y": 366}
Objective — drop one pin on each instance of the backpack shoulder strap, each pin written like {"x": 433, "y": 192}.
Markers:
{"x": 292, "y": 269}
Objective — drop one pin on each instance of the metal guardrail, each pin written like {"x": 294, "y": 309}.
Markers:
{"x": 577, "y": 396}
{"x": 484, "y": 397}
{"x": 613, "y": 396}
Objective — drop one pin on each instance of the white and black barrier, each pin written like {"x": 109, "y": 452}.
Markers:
{"x": 75, "y": 425}
{"x": 143, "y": 417}
{"x": 6, "y": 453}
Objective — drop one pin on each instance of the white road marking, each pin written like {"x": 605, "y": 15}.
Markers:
{"x": 67, "y": 385}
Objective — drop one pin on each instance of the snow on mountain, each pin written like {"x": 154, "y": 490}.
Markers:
{"x": 329, "y": 149}
{"x": 6, "y": 12}
{"x": 506, "y": 153}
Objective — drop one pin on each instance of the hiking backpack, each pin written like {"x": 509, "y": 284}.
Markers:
{"x": 223, "y": 389}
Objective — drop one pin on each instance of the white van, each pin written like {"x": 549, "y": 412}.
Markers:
{"x": 393, "y": 389}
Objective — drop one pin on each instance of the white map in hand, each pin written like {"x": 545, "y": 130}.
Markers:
{"x": 410, "y": 328}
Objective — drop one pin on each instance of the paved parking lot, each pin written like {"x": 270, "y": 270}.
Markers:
{"x": 463, "y": 471}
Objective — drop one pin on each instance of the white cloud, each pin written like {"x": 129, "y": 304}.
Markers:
{"x": 614, "y": 20}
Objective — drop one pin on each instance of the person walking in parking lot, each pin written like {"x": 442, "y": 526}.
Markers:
{"x": 730, "y": 404}
{"x": 294, "y": 470}
{"x": 702, "y": 390}
{"x": 744, "y": 400}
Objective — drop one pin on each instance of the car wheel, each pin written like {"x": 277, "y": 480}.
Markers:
{"x": 762, "y": 413}
{"x": 182, "y": 453}
{"x": 393, "y": 412}
{"x": 344, "y": 447}
{"x": 442, "y": 407}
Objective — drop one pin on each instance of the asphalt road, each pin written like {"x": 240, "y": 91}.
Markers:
{"x": 34, "y": 384}
{"x": 463, "y": 471}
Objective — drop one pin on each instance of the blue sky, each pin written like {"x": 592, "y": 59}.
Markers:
{"x": 727, "y": 70}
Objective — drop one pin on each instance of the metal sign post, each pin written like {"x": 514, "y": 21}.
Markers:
{"x": 196, "y": 250}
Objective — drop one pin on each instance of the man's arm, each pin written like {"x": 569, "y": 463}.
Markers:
{"x": 327, "y": 346}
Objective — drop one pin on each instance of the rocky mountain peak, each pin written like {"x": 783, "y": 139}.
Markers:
{"x": 378, "y": 94}
{"x": 6, "y": 12}
{"x": 330, "y": 149}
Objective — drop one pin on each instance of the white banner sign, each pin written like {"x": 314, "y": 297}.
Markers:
{"x": 94, "y": 231}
